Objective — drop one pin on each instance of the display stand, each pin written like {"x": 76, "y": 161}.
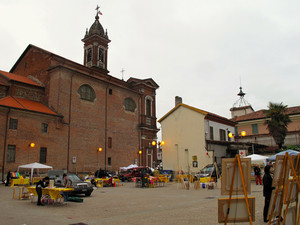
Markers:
{"x": 283, "y": 168}
{"x": 237, "y": 162}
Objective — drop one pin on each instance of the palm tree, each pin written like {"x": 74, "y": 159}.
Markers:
{"x": 277, "y": 122}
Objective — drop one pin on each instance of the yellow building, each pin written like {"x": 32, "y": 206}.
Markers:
{"x": 187, "y": 131}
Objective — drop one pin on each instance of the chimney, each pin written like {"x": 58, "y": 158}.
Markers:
{"x": 178, "y": 100}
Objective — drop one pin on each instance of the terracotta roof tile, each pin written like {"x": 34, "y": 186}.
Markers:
{"x": 208, "y": 115}
{"x": 19, "y": 78}
{"x": 26, "y": 104}
{"x": 260, "y": 114}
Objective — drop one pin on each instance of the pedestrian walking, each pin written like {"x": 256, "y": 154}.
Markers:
{"x": 257, "y": 174}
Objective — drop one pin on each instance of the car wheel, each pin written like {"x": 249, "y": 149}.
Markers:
{"x": 88, "y": 193}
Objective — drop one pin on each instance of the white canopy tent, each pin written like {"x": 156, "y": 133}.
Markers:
{"x": 33, "y": 166}
{"x": 257, "y": 159}
{"x": 129, "y": 167}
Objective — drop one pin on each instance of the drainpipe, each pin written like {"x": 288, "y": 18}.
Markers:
{"x": 105, "y": 122}
{"x": 69, "y": 127}
{"x": 4, "y": 145}
{"x": 140, "y": 130}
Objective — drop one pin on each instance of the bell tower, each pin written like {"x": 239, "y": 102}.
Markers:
{"x": 96, "y": 45}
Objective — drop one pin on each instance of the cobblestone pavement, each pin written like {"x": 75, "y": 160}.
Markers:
{"x": 126, "y": 204}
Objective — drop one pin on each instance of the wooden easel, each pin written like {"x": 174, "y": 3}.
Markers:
{"x": 237, "y": 161}
{"x": 295, "y": 172}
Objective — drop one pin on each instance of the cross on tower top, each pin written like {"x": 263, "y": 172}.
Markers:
{"x": 98, "y": 10}
{"x": 122, "y": 71}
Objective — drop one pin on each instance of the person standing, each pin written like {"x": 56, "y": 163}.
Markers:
{"x": 267, "y": 191}
{"x": 67, "y": 184}
{"x": 7, "y": 178}
{"x": 39, "y": 185}
{"x": 257, "y": 175}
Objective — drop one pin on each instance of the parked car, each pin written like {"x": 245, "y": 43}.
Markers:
{"x": 80, "y": 187}
{"x": 133, "y": 172}
{"x": 102, "y": 173}
{"x": 209, "y": 171}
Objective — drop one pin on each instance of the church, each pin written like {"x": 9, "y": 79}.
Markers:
{"x": 75, "y": 117}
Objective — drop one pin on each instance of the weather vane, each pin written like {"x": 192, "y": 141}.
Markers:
{"x": 98, "y": 10}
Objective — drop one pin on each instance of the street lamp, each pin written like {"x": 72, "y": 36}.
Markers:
{"x": 243, "y": 134}
{"x": 140, "y": 153}
{"x": 31, "y": 145}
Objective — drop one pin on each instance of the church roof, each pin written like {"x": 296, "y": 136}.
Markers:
{"x": 19, "y": 78}
{"x": 26, "y": 104}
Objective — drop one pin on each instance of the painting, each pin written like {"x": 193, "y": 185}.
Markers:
{"x": 291, "y": 216}
{"x": 277, "y": 168}
{"x": 227, "y": 176}
{"x": 290, "y": 188}
{"x": 238, "y": 209}
{"x": 277, "y": 205}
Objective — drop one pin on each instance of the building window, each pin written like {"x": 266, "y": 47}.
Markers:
{"x": 129, "y": 104}
{"x": 110, "y": 91}
{"x": 89, "y": 55}
{"x": 222, "y": 135}
{"x": 109, "y": 161}
{"x": 43, "y": 155}
{"x": 211, "y": 133}
{"x": 86, "y": 92}
{"x": 13, "y": 124}
{"x": 254, "y": 129}
{"x": 101, "y": 55}
{"x": 148, "y": 107}
{"x": 236, "y": 130}
{"x": 11, "y": 153}
{"x": 44, "y": 128}
{"x": 109, "y": 142}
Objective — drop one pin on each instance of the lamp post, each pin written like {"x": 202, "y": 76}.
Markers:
{"x": 242, "y": 134}
{"x": 31, "y": 145}
{"x": 98, "y": 150}
{"x": 140, "y": 154}
{"x": 160, "y": 144}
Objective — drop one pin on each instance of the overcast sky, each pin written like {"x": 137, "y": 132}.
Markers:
{"x": 200, "y": 50}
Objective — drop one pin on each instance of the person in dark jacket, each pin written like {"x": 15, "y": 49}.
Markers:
{"x": 7, "y": 178}
{"x": 267, "y": 190}
{"x": 39, "y": 185}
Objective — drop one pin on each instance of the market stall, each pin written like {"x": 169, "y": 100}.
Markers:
{"x": 257, "y": 159}
{"x": 290, "y": 152}
{"x": 34, "y": 167}
{"x": 53, "y": 193}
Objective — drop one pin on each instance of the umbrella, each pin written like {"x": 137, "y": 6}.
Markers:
{"x": 291, "y": 152}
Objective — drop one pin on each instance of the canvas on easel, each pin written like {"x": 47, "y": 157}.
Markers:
{"x": 285, "y": 191}
{"x": 236, "y": 182}
{"x": 227, "y": 174}
{"x": 277, "y": 170}
{"x": 238, "y": 209}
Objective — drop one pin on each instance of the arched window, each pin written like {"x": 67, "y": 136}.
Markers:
{"x": 148, "y": 105}
{"x": 86, "y": 92}
{"x": 129, "y": 104}
{"x": 89, "y": 55}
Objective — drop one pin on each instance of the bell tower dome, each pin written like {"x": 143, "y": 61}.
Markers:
{"x": 96, "y": 45}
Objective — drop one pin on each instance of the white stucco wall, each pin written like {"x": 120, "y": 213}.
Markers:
{"x": 184, "y": 129}
{"x": 217, "y": 126}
